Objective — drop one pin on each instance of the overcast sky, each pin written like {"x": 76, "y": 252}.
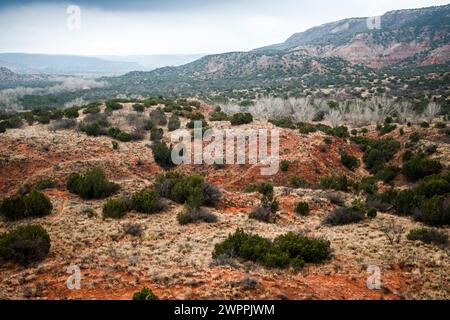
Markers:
{"x": 171, "y": 26}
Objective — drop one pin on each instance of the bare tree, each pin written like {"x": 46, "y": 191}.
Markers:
{"x": 334, "y": 117}
{"x": 431, "y": 111}
{"x": 392, "y": 231}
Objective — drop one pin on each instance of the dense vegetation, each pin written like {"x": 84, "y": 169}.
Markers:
{"x": 287, "y": 250}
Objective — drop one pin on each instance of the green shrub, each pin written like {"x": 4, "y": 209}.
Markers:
{"x": 145, "y": 294}
{"x": 428, "y": 236}
{"x": 284, "y": 251}
{"x": 338, "y": 183}
{"x": 113, "y": 105}
{"x": 419, "y": 167}
{"x": 387, "y": 174}
{"x": 162, "y": 154}
{"x": 404, "y": 202}
{"x": 71, "y": 113}
{"x": 297, "y": 182}
{"x": 92, "y": 108}
{"x": 115, "y": 145}
{"x": 218, "y": 116}
{"x": 92, "y": 185}
{"x": 343, "y": 216}
{"x": 265, "y": 188}
{"x": 435, "y": 211}
{"x": 25, "y": 244}
{"x": 368, "y": 185}
{"x": 284, "y": 165}
{"x": 377, "y": 152}
{"x": 45, "y": 184}
{"x": 37, "y": 204}
{"x": 387, "y": 128}
{"x": 440, "y": 125}
{"x": 283, "y": 123}
{"x": 156, "y": 134}
{"x": 408, "y": 155}
{"x": 241, "y": 118}
{"x": 114, "y": 208}
{"x": 354, "y": 132}
{"x": 191, "y": 190}
{"x": 44, "y": 119}
{"x": 33, "y": 204}
{"x": 191, "y": 124}
{"x": 349, "y": 161}
{"x": 372, "y": 213}
{"x": 120, "y": 135}
{"x": 306, "y": 128}
{"x": 138, "y": 107}
{"x": 146, "y": 201}
{"x": 415, "y": 137}
{"x": 425, "y": 125}
{"x": 13, "y": 208}
{"x": 302, "y": 208}
{"x": 174, "y": 123}
{"x": 431, "y": 186}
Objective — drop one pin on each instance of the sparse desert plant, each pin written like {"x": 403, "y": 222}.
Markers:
{"x": 194, "y": 215}
{"x": 342, "y": 216}
{"x": 392, "y": 231}
{"x": 133, "y": 229}
{"x": 93, "y": 184}
{"x": 158, "y": 118}
{"x": 114, "y": 208}
{"x": 335, "y": 198}
{"x": 62, "y": 124}
{"x": 145, "y": 294}
{"x": 263, "y": 214}
{"x": 211, "y": 195}
{"x": 25, "y": 244}
{"x": 429, "y": 236}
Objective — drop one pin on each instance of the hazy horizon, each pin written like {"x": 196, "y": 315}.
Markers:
{"x": 135, "y": 28}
